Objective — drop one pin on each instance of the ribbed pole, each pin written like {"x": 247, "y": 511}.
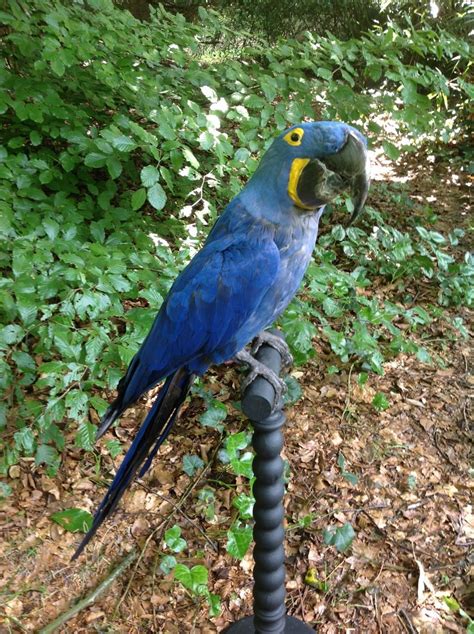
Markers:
{"x": 269, "y": 572}
{"x": 268, "y": 532}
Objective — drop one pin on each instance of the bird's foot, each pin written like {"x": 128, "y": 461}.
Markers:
{"x": 259, "y": 369}
{"x": 267, "y": 337}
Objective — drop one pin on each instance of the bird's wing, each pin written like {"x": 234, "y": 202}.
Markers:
{"x": 208, "y": 303}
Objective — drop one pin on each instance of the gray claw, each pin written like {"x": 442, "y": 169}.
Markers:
{"x": 259, "y": 369}
{"x": 276, "y": 342}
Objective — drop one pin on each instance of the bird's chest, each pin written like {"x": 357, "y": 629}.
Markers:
{"x": 296, "y": 246}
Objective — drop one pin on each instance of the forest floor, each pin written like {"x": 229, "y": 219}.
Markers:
{"x": 411, "y": 506}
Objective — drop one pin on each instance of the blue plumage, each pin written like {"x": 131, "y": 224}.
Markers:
{"x": 243, "y": 278}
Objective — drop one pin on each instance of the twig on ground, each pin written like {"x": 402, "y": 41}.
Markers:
{"x": 406, "y": 621}
{"x": 165, "y": 522}
{"x": 90, "y": 598}
{"x": 348, "y": 397}
{"x": 186, "y": 517}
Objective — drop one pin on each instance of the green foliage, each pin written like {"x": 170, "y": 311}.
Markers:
{"x": 173, "y": 539}
{"x": 238, "y": 540}
{"x": 167, "y": 564}
{"x": 195, "y": 580}
{"x": 192, "y": 464}
{"x": 267, "y": 18}
{"x": 380, "y": 402}
{"x": 348, "y": 262}
{"x": 206, "y": 504}
{"x": 5, "y": 491}
{"x": 341, "y": 463}
{"x": 341, "y": 537}
{"x": 455, "y": 607}
{"x": 121, "y": 142}
{"x": 73, "y": 520}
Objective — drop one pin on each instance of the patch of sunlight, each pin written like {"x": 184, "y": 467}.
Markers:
{"x": 157, "y": 240}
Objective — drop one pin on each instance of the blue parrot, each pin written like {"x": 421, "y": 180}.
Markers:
{"x": 243, "y": 278}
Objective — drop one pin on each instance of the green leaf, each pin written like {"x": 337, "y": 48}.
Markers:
{"x": 423, "y": 355}
{"x": 76, "y": 402}
{"x": 190, "y": 158}
{"x": 244, "y": 504}
{"x": 94, "y": 159}
{"x": 391, "y": 150}
{"x": 452, "y": 604}
{"x": 338, "y": 233}
{"x": 209, "y": 93}
{"x": 45, "y": 454}
{"x": 123, "y": 143}
{"x": 149, "y": 176}
{"x": 156, "y": 196}
{"x": 214, "y": 415}
{"x": 236, "y": 443}
{"x": 214, "y": 601}
{"x": 380, "y": 402}
{"x": 173, "y": 539}
{"x": 362, "y": 378}
{"x": 167, "y": 563}
{"x": 85, "y": 436}
{"x": 138, "y": 198}
{"x": 207, "y": 140}
{"x": 192, "y": 464}
{"x": 193, "y": 579}
{"x": 35, "y": 138}
{"x": 114, "y": 447}
{"x": 341, "y": 537}
{"x": 341, "y": 461}
{"x": 25, "y": 440}
{"x": 293, "y": 392}
{"x": 114, "y": 167}
{"x": 325, "y": 73}
{"x": 51, "y": 227}
{"x": 11, "y": 334}
{"x": 5, "y": 490}
{"x": 352, "y": 478}
{"x": 73, "y": 520}
{"x": 238, "y": 541}
{"x": 58, "y": 66}
{"x": 23, "y": 360}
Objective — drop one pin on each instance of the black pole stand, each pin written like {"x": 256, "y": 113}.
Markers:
{"x": 269, "y": 572}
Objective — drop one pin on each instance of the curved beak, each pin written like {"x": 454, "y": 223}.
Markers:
{"x": 353, "y": 166}
{"x": 322, "y": 180}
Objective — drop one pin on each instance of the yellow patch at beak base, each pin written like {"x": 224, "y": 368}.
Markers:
{"x": 297, "y": 167}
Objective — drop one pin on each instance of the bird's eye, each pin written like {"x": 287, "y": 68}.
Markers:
{"x": 294, "y": 137}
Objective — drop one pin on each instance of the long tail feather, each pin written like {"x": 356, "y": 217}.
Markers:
{"x": 118, "y": 406}
{"x": 153, "y": 432}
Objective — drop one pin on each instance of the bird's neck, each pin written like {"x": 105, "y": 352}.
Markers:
{"x": 266, "y": 193}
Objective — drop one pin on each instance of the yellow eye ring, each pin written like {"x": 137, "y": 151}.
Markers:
{"x": 294, "y": 137}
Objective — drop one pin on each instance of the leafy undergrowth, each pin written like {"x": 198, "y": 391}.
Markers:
{"x": 122, "y": 141}
{"x": 385, "y": 455}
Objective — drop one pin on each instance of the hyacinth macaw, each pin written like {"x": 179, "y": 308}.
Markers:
{"x": 243, "y": 278}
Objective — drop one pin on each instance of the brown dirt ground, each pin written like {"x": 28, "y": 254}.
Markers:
{"x": 411, "y": 507}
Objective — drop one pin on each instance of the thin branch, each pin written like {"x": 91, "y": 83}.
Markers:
{"x": 167, "y": 519}
{"x": 92, "y": 597}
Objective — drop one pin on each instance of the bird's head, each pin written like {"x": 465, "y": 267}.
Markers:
{"x": 314, "y": 162}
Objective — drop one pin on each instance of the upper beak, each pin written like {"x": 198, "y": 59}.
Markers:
{"x": 353, "y": 166}
{"x": 322, "y": 180}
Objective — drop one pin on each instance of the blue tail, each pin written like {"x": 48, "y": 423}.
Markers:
{"x": 153, "y": 432}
